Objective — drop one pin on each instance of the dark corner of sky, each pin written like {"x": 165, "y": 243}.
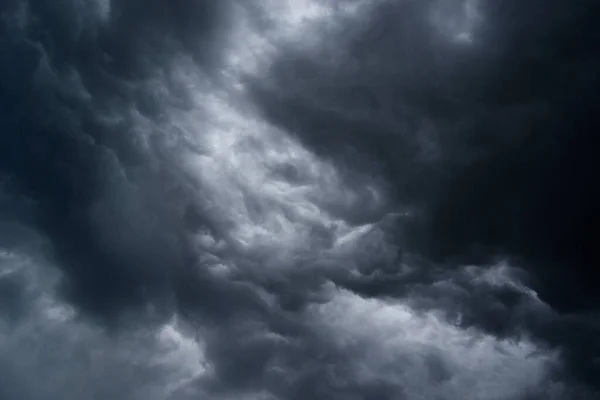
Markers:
{"x": 299, "y": 200}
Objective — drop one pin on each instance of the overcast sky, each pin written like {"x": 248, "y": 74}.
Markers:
{"x": 298, "y": 200}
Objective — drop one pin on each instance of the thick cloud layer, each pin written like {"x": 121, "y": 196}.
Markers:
{"x": 341, "y": 199}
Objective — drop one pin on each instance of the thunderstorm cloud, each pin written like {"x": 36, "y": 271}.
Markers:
{"x": 298, "y": 200}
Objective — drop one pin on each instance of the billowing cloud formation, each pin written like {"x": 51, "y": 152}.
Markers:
{"x": 53, "y": 352}
{"x": 297, "y": 200}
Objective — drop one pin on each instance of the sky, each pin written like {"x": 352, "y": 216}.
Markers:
{"x": 298, "y": 200}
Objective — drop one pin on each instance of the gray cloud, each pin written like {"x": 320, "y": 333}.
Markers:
{"x": 291, "y": 200}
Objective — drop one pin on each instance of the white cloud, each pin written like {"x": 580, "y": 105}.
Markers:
{"x": 425, "y": 357}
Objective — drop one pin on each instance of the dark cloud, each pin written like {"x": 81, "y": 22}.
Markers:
{"x": 297, "y": 200}
{"x": 491, "y": 141}
{"x": 74, "y": 74}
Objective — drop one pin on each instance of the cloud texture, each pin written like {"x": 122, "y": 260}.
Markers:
{"x": 285, "y": 200}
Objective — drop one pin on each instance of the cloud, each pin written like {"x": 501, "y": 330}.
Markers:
{"x": 423, "y": 356}
{"x": 294, "y": 200}
{"x": 70, "y": 357}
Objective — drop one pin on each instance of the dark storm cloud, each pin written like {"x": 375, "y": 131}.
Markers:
{"x": 264, "y": 200}
{"x": 71, "y": 76}
{"x": 489, "y": 141}
{"x": 490, "y": 138}
{"x": 73, "y": 82}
